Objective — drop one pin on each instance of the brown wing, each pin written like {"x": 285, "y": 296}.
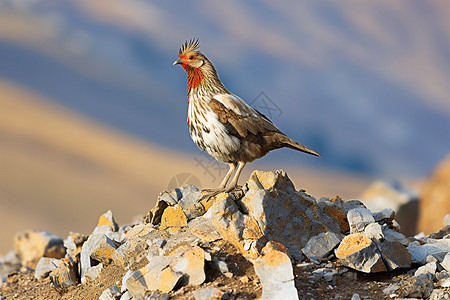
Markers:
{"x": 244, "y": 121}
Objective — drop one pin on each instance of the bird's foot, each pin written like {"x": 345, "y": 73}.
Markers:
{"x": 210, "y": 193}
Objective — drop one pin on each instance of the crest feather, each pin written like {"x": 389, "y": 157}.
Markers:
{"x": 190, "y": 45}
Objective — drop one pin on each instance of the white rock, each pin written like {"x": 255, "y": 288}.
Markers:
{"x": 429, "y": 269}
{"x": 274, "y": 269}
{"x": 111, "y": 293}
{"x": 374, "y": 231}
{"x": 445, "y": 263}
{"x": 356, "y": 297}
{"x": 447, "y": 220}
{"x": 92, "y": 273}
{"x": 45, "y": 266}
{"x": 359, "y": 218}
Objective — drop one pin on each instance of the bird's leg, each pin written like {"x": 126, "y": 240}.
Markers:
{"x": 234, "y": 182}
{"x": 221, "y": 188}
{"x": 227, "y": 177}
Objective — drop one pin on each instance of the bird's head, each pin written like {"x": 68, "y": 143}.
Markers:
{"x": 189, "y": 57}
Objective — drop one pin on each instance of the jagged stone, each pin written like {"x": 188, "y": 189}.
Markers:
{"x": 395, "y": 255}
{"x": 156, "y": 295}
{"x": 31, "y": 245}
{"x": 204, "y": 229}
{"x": 239, "y": 229}
{"x": 374, "y": 231}
{"x": 209, "y": 293}
{"x": 419, "y": 253}
{"x": 384, "y": 216}
{"x": 271, "y": 209}
{"x": 126, "y": 296}
{"x": 394, "y": 236}
{"x": 321, "y": 245}
{"x": 148, "y": 277}
{"x": 445, "y": 263}
{"x": 130, "y": 253}
{"x": 98, "y": 247}
{"x": 111, "y": 293}
{"x": 9, "y": 263}
{"x": 45, "y": 266}
{"x": 107, "y": 219}
{"x": 73, "y": 243}
{"x": 439, "y": 294}
{"x": 173, "y": 216}
{"x": 416, "y": 287}
{"x": 359, "y": 252}
{"x": 429, "y": 269}
{"x": 93, "y": 272}
{"x": 444, "y": 283}
{"x": 359, "y": 218}
{"x": 334, "y": 209}
{"x": 191, "y": 263}
{"x": 275, "y": 272}
{"x": 65, "y": 275}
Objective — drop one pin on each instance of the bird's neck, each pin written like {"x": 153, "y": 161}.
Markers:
{"x": 204, "y": 81}
{"x": 195, "y": 78}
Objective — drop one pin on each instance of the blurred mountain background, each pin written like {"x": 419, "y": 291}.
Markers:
{"x": 93, "y": 114}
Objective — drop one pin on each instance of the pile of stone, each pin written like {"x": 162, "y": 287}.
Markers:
{"x": 273, "y": 225}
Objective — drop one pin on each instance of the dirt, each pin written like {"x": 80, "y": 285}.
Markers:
{"x": 243, "y": 284}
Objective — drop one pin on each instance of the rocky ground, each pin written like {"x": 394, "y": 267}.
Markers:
{"x": 267, "y": 240}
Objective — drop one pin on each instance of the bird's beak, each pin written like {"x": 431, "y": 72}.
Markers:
{"x": 178, "y": 61}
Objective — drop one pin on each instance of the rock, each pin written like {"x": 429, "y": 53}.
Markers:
{"x": 9, "y": 263}
{"x": 444, "y": 283}
{"x": 93, "y": 272}
{"x": 395, "y": 255}
{"x": 435, "y": 198}
{"x": 358, "y": 252}
{"x": 374, "y": 231}
{"x": 111, "y": 293}
{"x": 73, "y": 243}
{"x": 45, "y": 266}
{"x": 382, "y": 194}
{"x": 394, "y": 236}
{"x": 271, "y": 209}
{"x": 185, "y": 265}
{"x": 173, "y": 216}
{"x": 319, "y": 246}
{"x": 275, "y": 272}
{"x": 130, "y": 253}
{"x": 446, "y": 221}
{"x": 98, "y": 247}
{"x": 416, "y": 287}
{"x": 419, "y": 253}
{"x": 107, "y": 219}
{"x": 31, "y": 245}
{"x": 209, "y": 293}
{"x": 155, "y": 275}
{"x": 359, "y": 218}
{"x": 384, "y": 216}
{"x": 239, "y": 229}
{"x": 438, "y": 294}
{"x": 65, "y": 275}
{"x": 429, "y": 270}
{"x": 203, "y": 228}
{"x": 356, "y": 297}
{"x": 191, "y": 263}
{"x": 445, "y": 263}
{"x": 156, "y": 295}
{"x": 391, "y": 289}
{"x": 126, "y": 296}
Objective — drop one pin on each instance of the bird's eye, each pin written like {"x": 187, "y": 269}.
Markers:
{"x": 191, "y": 57}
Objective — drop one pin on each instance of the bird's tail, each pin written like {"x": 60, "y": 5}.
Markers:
{"x": 299, "y": 147}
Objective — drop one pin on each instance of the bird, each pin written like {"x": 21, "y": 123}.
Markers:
{"x": 221, "y": 123}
